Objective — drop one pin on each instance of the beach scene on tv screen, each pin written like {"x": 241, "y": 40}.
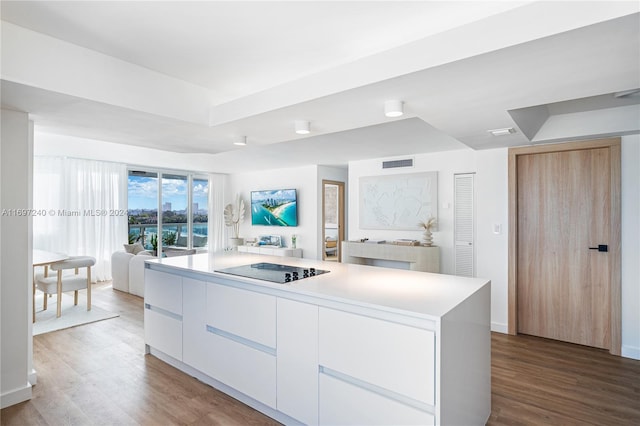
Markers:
{"x": 274, "y": 208}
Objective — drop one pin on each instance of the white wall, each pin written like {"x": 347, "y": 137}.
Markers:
{"x": 490, "y": 168}
{"x": 446, "y": 164}
{"x": 492, "y": 250}
{"x": 305, "y": 181}
{"x": 15, "y": 258}
{"x": 630, "y": 246}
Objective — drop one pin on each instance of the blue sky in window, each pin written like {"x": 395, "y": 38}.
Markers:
{"x": 143, "y": 193}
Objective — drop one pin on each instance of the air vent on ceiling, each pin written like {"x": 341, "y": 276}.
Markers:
{"x": 397, "y": 163}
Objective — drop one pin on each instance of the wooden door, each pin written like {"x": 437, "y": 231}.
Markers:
{"x": 567, "y": 202}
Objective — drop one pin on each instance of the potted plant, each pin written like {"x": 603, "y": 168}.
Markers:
{"x": 428, "y": 225}
{"x": 154, "y": 244}
{"x": 169, "y": 239}
{"x": 233, "y": 217}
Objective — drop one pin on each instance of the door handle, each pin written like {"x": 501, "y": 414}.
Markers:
{"x": 601, "y": 247}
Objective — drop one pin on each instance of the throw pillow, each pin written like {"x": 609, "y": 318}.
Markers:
{"x": 133, "y": 248}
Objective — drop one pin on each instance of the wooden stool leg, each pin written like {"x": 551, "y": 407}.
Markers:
{"x": 88, "y": 288}
{"x": 44, "y": 302}
{"x": 75, "y": 297}
{"x": 59, "y": 311}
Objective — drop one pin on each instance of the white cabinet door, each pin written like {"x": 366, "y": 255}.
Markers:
{"x": 244, "y": 368}
{"x": 163, "y": 312}
{"x": 163, "y": 291}
{"x": 345, "y": 404}
{"x": 194, "y": 322}
{"x": 393, "y": 356}
{"x": 298, "y": 360}
{"x": 163, "y": 333}
{"x": 243, "y": 313}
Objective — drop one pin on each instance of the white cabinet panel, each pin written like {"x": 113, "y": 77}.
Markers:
{"x": 241, "y": 367}
{"x": 194, "y": 323}
{"x": 163, "y": 312}
{"x": 163, "y": 291}
{"x": 298, "y": 360}
{"x": 396, "y": 357}
{"x": 163, "y": 332}
{"x": 243, "y": 313}
{"x": 345, "y": 404}
{"x": 272, "y": 251}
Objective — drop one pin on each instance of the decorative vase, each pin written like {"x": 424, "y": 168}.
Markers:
{"x": 428, "y": 238}
{"x": 235, "y": 242}
{"x": 294, "y": 239}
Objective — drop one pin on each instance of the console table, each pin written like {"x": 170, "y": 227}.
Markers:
{"x": 419, "y": 258}
{"x": 271, "y": 250}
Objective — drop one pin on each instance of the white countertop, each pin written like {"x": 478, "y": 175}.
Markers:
{"x": 413, "y": 293}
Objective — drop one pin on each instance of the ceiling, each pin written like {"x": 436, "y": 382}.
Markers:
{"x": 193, "y": 77}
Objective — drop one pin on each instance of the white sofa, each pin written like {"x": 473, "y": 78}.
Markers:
{"x": 127, "y": 270}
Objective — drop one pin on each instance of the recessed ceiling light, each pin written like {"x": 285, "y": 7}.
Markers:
{"x": 502, "y": 132}
{"x": 393, "y": 108}
{"x": 302, "y": 127}
{"x": 242, "y": 141}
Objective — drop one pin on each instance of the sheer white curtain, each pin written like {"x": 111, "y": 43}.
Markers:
{"x": 216, "y": 227}
{"x": 83, "y": 208}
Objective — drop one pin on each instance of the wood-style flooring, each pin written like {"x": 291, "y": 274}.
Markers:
{"x": 98, "y": 374}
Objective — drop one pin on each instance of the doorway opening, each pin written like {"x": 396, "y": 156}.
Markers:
{"x": 332, "y": 220}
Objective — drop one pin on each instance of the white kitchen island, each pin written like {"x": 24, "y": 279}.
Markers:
{"x": 359, "y": 345}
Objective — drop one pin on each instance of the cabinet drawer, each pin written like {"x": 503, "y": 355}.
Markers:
{"x": 345, "y": 404}
{"x": 243, "y": 313}
{"x": 393, "y": 356}
{"x": 246, "y": 369}
{"x": 163, "y": 332}
{"x": 163, "y": 291}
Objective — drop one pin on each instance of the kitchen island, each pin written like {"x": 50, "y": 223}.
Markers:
{"x": 356, "y": 345}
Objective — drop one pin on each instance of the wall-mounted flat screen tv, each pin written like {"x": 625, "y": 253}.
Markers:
{"x": 274, "y": 208}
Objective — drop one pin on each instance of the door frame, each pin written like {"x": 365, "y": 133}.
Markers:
{"x": 615, "y": 326}
{"x": 341, "y": 225}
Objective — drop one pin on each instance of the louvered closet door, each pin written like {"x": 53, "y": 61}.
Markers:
{"x": 464, "y": 220}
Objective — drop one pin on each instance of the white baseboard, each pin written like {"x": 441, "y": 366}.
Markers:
{"x": 15, "y": 396}
{"x": 500, "y": 327}
{"x": 33, "y": 377}
{"x": 630, "y": 352}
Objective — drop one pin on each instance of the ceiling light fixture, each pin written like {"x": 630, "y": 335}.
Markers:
{"x": 502, "y": 132}
{"x": 242, "y": 141}
{"x": 302, "y": 127}
{"x": 393, "y": 108}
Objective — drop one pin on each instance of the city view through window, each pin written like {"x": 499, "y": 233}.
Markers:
{"x": 177, "y": 190}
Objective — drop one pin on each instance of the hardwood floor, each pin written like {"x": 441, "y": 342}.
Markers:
{"x": 98, "y": 374}
{"x": 536, "y": 381}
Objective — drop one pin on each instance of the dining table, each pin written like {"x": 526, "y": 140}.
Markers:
{"x": 43, "y": 258}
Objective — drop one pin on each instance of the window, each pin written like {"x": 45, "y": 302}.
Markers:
{"x": 168, "y": 211}
{"x": 200, "y": 212}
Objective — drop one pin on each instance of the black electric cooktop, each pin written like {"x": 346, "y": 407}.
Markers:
{"x": 273, "y": 272}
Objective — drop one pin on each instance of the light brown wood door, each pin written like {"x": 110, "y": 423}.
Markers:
{"x": 564, "y": 209}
